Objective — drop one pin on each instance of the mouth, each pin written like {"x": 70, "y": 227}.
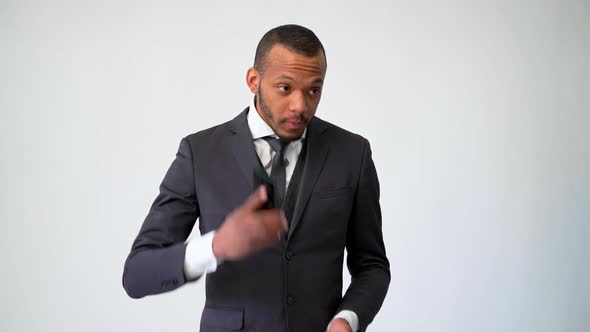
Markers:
{"x": 295, "y": 124}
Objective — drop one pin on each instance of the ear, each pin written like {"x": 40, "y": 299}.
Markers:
{"x": 253, "y": 79}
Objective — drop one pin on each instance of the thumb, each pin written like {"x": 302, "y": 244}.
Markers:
{"x": 257, "y": 199}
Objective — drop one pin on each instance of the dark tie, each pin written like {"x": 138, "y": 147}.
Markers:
{"x": 278, "y": 174}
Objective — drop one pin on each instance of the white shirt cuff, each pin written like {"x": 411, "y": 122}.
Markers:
{"x": 350, "y": 317}
{"x": 199, "y": 258}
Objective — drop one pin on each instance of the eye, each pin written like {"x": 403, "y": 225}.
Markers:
{"x": 315, "y": 91}
{"x": 284, "y": 88}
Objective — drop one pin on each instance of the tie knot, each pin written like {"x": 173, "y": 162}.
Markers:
{"x": 277, "y": 144}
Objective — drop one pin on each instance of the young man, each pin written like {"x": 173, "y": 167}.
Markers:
{"x": 272, "y": 253}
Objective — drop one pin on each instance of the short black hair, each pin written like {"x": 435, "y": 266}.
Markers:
{"x": 294, "y": 37}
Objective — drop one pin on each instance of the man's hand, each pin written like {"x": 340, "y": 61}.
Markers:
{"x": 339, "y": 325}
{"x": 249, "y": 228}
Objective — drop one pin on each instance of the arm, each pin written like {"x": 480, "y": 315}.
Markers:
{"x": 160, "y": 261}
{"x": 156, "y": 261}
{"x": 367, "y": 262}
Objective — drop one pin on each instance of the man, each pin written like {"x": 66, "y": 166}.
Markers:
{"x": 272, "y": 254}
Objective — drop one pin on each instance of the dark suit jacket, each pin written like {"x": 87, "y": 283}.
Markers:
{"x": 295, "y": 285}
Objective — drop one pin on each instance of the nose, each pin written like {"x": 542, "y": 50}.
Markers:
{"x": 297, "y": 102}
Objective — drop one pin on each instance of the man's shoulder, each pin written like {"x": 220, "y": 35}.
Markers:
{"x": 338, "y": 133}
{"x": 217, "y": 130}
{"x": 215, "y": 133}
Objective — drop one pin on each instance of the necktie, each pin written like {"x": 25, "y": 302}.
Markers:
{"x": 278, "y": 173}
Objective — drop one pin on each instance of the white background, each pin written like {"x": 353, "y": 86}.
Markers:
{"x": 478, "y": 115}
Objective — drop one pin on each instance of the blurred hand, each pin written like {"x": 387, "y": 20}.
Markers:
{"x": 249, "y": 228}
{"x": 339, "y": 325}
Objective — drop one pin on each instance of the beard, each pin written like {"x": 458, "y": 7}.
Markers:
{"x": 263, "y": 106}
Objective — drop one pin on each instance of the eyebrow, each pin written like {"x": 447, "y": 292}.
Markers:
{"x": 287, "y": 77}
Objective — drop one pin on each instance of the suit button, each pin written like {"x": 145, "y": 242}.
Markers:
{"x": 290, "y": 300}
{"x": 288, "y": 255}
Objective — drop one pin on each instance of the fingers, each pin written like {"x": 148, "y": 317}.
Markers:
{"x": 256, "y": 200}
{"x": 274, "y": 220}
{"x": 249, "y": 228}
{"x": 273, "y": 225}
{"x": 339, "y": 325}
{"x": 277, "y": 218}
{"x": 284, "y": 222}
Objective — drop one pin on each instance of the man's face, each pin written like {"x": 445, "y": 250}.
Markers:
{"x": 289, "y": 90}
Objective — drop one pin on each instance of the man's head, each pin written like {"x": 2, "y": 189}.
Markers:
{"x": 287, "y": 78}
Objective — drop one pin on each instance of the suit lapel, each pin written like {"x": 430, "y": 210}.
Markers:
{"x": 243, "y": 148}
{"x": 317, "y": 150}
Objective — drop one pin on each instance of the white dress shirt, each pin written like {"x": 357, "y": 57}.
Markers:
{"x": 199, "y": 257}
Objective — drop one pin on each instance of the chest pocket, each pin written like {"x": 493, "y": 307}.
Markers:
{"x": 332, "y": 193}
{"x": 329, "y": 211}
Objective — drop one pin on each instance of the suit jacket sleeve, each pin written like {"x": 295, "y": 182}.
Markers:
{"x": 155, "y": 263}
{"x": 367, "y": 262}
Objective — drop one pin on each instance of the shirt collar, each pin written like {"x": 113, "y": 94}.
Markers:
{"x": 259, "y": 128}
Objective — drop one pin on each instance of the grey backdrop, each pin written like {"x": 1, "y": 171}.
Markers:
{"x": 478, "y": 114}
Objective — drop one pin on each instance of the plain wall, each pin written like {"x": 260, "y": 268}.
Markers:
{"x": 478, "y": 114}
